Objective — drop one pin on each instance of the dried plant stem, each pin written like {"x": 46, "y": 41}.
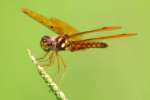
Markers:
{"x": 47, "y": 78}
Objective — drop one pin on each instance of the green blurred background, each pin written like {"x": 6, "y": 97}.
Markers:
{"x": 120, "y": 72}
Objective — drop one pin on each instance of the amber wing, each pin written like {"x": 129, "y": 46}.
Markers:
{"x": 54, "y": 24}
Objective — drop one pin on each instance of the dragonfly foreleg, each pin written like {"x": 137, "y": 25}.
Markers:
{"x": 65, "y": 66}
{"x": 50, "y": 60}
{"x": 43, "y": 58}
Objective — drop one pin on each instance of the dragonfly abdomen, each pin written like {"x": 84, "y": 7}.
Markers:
{"x": 78, "y": 45}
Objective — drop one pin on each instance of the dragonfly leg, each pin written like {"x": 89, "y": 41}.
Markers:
{"x": 65, "y": 66}
{"x": 60, "y": 73}
{"x": 50, "y": 60}
{"x": 42, "y": 58}
{"x": 46, "y": 66}
{"x": 58, "y": 62}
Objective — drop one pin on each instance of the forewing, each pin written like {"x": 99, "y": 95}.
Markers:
{"x": 62, "y": 27}
{"x": 53, "y": 24}
{"x": 108, "y": 28}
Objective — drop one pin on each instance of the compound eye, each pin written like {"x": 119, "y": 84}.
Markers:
{"x": 44, "y": 40}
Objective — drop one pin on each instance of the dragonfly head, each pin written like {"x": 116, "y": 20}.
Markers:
{"x": 47, "y": 43}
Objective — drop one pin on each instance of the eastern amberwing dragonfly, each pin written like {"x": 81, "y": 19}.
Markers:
{"x": 68, "y": 37}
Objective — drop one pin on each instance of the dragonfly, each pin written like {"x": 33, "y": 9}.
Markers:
{"x": 68, "y": 38}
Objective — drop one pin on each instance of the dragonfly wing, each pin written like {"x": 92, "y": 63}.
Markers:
{"x": 108, "y": 28}
{"x": 110, "y": 37}
{"x": 53, "y": 24}
{"x": 61, "y": 27}
{"x": 39, "y": 18}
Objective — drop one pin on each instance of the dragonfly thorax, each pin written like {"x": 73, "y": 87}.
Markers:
{"x": 62, "y": 42}
{"x": 54, "y": 43}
